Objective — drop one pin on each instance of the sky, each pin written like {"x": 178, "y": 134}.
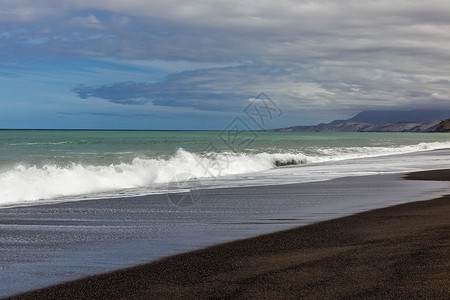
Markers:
{"x": 176, "y": 64}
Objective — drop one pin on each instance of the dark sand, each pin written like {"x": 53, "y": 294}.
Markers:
{"x": 438, "y": 175}
{"x": 400, "y": 252}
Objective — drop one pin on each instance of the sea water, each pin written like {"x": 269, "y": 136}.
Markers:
{"x": 41, "y": 166}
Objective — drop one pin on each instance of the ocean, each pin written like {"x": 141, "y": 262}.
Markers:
{"x": 42, "y": 166}
{"x": 78, "y": 203}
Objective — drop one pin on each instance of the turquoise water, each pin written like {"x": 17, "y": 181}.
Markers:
{"x": 66, "y": 163}
{"x": 106, "y": 147}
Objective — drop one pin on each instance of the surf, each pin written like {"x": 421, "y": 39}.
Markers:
{"x": 24, "y": 183}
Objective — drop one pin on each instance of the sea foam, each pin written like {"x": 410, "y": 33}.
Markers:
{"x": 28, "y": 184}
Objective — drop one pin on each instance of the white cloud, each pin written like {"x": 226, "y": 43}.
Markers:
{"x": 31, "y": 10}
{"x": 90, "y": 21}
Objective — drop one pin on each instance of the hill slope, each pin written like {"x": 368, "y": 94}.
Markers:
{"x": 443, "y": 126}
{"x": 399, "y": 116}
{"x": 382, "y": 121}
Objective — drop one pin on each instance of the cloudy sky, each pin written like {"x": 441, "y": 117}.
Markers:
{"x": 175, "y": 64}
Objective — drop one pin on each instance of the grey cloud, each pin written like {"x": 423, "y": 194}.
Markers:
{"x": 314, "y": 54}
{"x": 127, "y": 93}
{"x": 415, "y": 94}
{"x": 296, "y": 30}
{"x": 293, "y": 86}
{"x": 201, "y": 89}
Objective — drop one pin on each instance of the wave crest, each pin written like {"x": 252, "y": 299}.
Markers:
{"x": 30, "y": 183}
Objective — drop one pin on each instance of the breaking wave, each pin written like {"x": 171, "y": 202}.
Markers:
{"x": 25, "y": 183}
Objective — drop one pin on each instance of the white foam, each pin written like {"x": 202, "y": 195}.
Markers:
{"x": 22, "y": 184}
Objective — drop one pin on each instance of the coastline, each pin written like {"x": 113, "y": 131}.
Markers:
{"x": 400, "y": 251}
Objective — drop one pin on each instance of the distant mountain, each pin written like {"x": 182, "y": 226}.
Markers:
{"x": 443, "y": 126}
{"x": 399, "y": 116}
{"x": 382, "y": 121}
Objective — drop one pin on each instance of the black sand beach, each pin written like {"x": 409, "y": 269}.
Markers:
{"x": 399, "y": 252}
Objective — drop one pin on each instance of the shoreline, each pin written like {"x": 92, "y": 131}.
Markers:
{"x": 395, "y": 252}
{"x": 433, "y": 175}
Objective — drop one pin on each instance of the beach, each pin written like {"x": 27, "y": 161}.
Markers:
{"x": 399, "y": 252}
{"x": 224, "y": 150}
{"x": 68, "y": 213}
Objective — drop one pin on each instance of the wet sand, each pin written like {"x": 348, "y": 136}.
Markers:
{"x": 437, "y": 175}
{"x": 400, "y": 252}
